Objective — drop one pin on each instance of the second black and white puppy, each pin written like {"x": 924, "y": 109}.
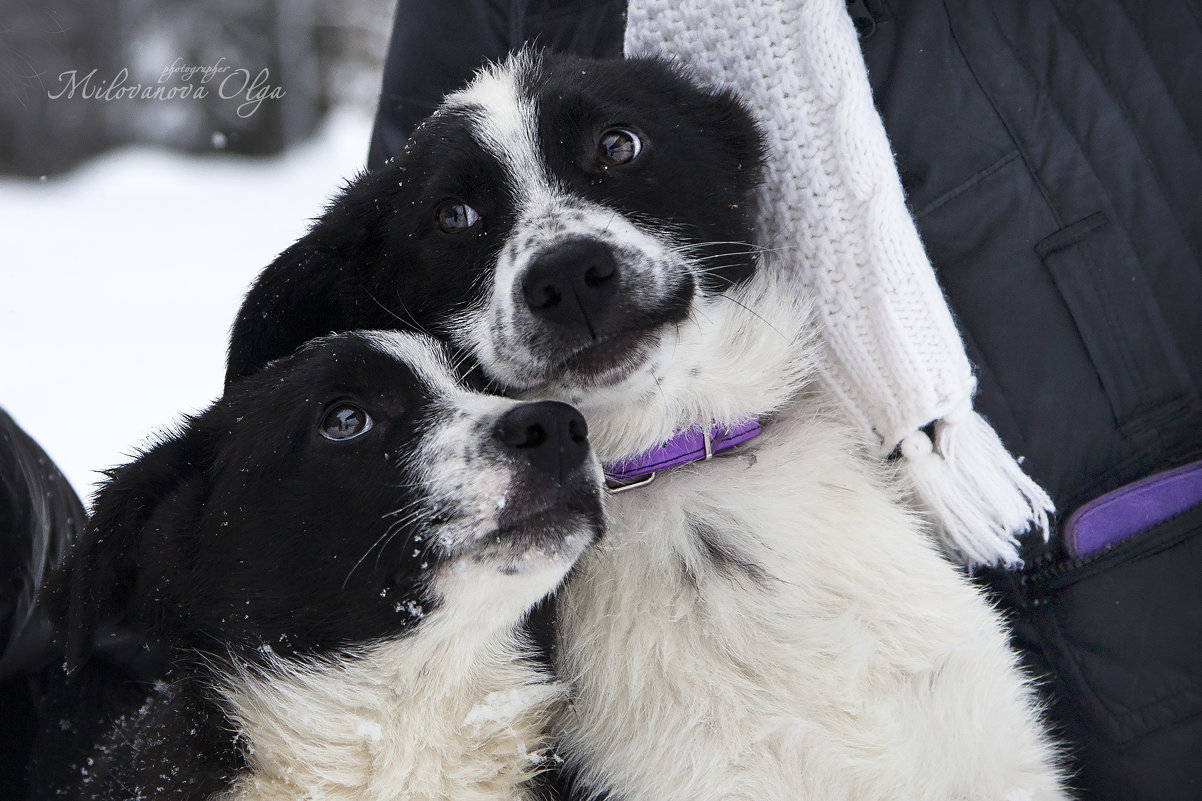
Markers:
{"x": 338, "y": 554}
{"x": 768, "y": 623}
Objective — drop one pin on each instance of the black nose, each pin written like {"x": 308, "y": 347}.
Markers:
{"x": 550, "y": 435}
{"x": 573, "y": 284}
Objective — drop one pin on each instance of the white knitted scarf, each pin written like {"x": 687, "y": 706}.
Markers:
{"x": 893, "y": 357}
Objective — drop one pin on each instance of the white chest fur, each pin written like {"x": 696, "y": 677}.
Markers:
{"x": 444, "y": 714}
{"x": 772, "y": 626}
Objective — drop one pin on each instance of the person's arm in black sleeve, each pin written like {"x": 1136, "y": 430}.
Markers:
{"x": 436, "y": 47}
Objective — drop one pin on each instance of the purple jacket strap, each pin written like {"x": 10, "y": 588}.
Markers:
{"x": 1132, "y": 508}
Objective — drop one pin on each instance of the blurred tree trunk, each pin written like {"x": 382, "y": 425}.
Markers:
{"x": 38, "y": 42}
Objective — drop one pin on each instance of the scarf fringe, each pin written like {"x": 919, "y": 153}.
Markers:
{"x": 973, "y": 489}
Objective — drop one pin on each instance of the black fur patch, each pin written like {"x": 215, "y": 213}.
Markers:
{"x": 247, "y": 528}
{"x": 725, "y": 558}
{"x": 701, "y": 159}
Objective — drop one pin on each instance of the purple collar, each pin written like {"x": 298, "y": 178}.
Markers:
{"x": 690, "y": 445}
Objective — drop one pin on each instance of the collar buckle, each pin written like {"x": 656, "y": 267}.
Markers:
{"x": 615, "y": 489}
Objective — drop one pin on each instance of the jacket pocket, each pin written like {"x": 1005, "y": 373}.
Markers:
{"x": 1117, "y": 316}
{"x": 1122, "y": 628}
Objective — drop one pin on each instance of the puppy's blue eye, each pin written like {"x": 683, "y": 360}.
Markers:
{"x": 454, "y": 216}
{"x": 618, "y": 146}
{"x": 345, "y": 421}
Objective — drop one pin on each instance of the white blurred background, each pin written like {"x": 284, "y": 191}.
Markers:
{"x": 129, "y": 229}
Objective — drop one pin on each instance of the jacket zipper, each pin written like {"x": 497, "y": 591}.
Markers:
{"x": 1046, "y": 578}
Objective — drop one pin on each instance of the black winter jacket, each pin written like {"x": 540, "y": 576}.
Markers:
{"x": 1051, "y": 151}
{"x": 1052, "y": 156}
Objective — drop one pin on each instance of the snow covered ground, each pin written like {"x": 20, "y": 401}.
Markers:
{"x": 119, "y": 282}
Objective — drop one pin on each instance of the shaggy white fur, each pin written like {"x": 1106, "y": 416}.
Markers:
{"x": 772, "y": 624}
{"x": 445, "y": 714}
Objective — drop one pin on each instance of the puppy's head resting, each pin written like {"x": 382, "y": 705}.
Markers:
{"x": 558, "y": 221}
{"x": 346, "y": 494}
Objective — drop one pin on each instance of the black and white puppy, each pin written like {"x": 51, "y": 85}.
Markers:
{"x": 339, "y": 554}
{"x": 768, "y": 624}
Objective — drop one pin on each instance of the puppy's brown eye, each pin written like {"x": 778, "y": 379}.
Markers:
{"x": 618, "y": 146}
{"x": 345, "y": 421}
{"x": 454, "y": 216}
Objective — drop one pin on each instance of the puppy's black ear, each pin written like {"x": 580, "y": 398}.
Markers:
{"x": 105, "y": 573}
{"x": 318, "y": 286}
{"x": 739, "y": 131}
{"x": 294, "y": 300}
